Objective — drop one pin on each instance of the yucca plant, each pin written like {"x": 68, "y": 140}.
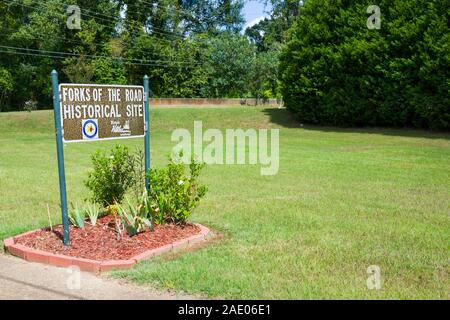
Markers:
{"x": 77, "y": 216}
{"x": 118, "y": 226}
{"x": 92, "y": 211}
{"x": 134, "y": 219}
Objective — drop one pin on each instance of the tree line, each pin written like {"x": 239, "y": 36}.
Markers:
{"x": 320, "y": 56}
{"x": 189, "y": 48}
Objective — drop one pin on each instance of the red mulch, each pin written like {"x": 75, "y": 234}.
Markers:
{"x": 101, "y": 243}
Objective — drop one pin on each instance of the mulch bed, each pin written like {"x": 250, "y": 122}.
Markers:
{"x": 101, "y": 243}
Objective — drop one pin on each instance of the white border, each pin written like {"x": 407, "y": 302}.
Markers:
{"x": 100, "y": 85}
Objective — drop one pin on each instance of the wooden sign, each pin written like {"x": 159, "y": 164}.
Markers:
{"x": 101, "y": 112}
{"x": 89, "y": 112}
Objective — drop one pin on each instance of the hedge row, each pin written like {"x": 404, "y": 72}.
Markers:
{"x": 334, "y": 70}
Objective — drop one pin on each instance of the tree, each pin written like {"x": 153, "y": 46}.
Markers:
{"x": 6, "y": 86}
{"x": 189, "y": 48}
{"x": 269, "y": 32}
{"x": 228, "y": 59}
{"x": 213, "y": 17}
{"x": 41, "y": 25}
{"x": 176, "y": 36}
{"x": 335, "y": 71}
{"x": 263, "y": 79}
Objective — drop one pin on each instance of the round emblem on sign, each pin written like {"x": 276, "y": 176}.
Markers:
{"x": 90, "y": 129}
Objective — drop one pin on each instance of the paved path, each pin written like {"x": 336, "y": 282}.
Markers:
{"x": 20, "y": 279}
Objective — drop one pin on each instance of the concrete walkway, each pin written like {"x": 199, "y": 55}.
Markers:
{"x": 20, "y": 279}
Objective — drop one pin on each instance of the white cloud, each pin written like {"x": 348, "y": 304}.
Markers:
{"x": 254, "y": 22}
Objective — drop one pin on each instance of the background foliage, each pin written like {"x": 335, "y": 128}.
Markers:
{"x": 318, "y": 55}
{"x": 188, "y": 48}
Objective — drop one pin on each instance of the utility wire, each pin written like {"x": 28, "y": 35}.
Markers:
{"x": 75, "y": 41}
{"x": 64, "y": 55}
{"x": 113, "y": 28}
{"x": 44, "y": 36}
{"x": 77, "y": 54}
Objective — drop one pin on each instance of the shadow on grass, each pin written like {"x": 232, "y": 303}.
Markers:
{"x": 282, "y": 117}
{"x": 286, "y": 119}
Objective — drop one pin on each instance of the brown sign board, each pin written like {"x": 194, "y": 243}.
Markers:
{"x": 101, "y": 112}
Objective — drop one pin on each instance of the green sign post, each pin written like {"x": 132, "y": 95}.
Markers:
{"x": 88, "y": 112}
{"x": 60, "y": 153}
{"x": 147, "y": 129}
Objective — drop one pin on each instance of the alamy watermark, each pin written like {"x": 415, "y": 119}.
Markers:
{"x": 73, "y": 281}
{"x": 374, "y": 280}
{"x": 374, "y": 21}
{"x": 74, "y": 19}
{"x": 235, "y": 146}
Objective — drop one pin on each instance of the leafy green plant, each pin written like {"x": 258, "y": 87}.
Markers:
{"x": 112, "y": 175}
{"x": 134, "y": 219}
{"x": 173, "y": 195}
{"x": 92, "y": 211}
{"x": 77, "y": 216}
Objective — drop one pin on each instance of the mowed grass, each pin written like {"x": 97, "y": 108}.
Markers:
{"x": 343, "y": 200}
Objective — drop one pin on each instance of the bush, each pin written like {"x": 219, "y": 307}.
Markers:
{"x": 112, "y": 176}
{"x": 173, "y": 195}
{"x": 335, "y": 71}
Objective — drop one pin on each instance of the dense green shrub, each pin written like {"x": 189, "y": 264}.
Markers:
{"x": 171, "y": 198}
{"x": 335, "y": 71}
{"x": 173, "y": 194}
{"x": 112, "y": 175}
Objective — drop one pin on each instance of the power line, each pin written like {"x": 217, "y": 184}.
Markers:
{"x": 64, "y": 55}
{"x": 84, "y": 44}
{"x": 69, "y": 54}
{"x": 139, "y": 61}
{"x": 75, "y": 41}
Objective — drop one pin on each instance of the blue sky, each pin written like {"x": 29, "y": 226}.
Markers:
{"x": 254, "y": 12}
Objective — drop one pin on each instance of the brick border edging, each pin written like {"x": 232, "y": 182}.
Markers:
{"x": 39, "y": 256}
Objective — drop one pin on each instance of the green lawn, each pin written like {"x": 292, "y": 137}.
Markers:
{"x": 343, "y": 200}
